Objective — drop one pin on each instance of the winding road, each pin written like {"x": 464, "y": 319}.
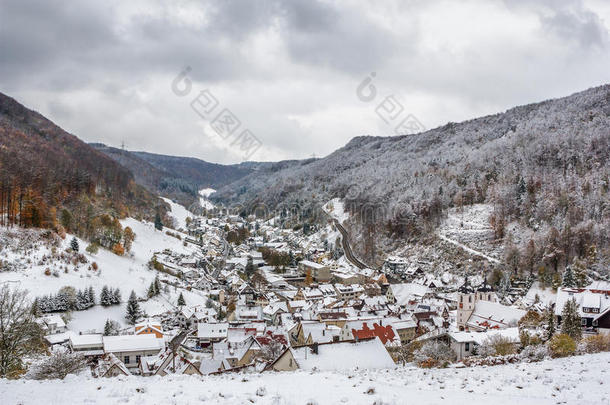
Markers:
{"x": 349, "y": 255}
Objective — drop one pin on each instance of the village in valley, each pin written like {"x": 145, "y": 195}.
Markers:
{"x": 223, "y": 293}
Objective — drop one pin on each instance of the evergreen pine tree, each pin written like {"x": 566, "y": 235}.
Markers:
{"x": 550, "y": 324}
{"x": 158, "y": 222}
{"x": 36, "y": 307}
{"x": 580, "y": 272}
{"x": 157, "y": 285}
{"x": 569, "y": 281}
{"x": 181, "y": 302}
{"x": 107, "y": 328}
{"x": 133, "y": 309}
{"x": 505, "y": 285}
{"x": 91, "y": 296}
{"x": 62, "y": 302}
{"x": 116, "y": 296}
{"x": 74, "y": 244}
{"x": 81, "y": 301}
{"x": 105, "y": 297}
{"x": 151, "y": 290}
{"x": 570, "y": 320}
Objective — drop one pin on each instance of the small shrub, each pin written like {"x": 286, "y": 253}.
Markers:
{"x": 497, "y": 345}
{"x": 47, "y": 271}
{"x": 434, "y": 353}
{"x": 93, "y": 249}
{"x": 594, "y": 344}
{"x": 94, "y": 266}
{"x": 529, "y": 339}
{"x": 58, "y": 365}
{"x": 535, "y": 353}
{"x": 531, "y": 319}
{"x": 118, "y": 249}
{"x": 562, "y": 346}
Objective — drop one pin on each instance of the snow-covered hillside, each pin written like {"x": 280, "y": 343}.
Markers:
{"x": 468, "y": 228}
{"x": 129, "y": 272}
{"x": 576, "y": 380}
{"x": 179, "y": 213}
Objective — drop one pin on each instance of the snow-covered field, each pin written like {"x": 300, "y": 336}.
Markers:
{"x": 576, "y": 380}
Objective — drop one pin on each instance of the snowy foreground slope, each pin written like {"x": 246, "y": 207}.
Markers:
{"x": 576, "y": 380}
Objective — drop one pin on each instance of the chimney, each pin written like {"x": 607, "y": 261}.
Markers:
{"x": 314, "y": 348}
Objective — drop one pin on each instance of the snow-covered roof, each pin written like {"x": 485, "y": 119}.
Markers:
{"x": 311, "y": 264}
{"x": 479, "y": 337}
{"x": 493, "y": 315}
{"x": 149, "y": 323}
{"x": 369, "y": 354}
{"x": 132, "y": 343}
{"x": 591, "y": 300}
{"x": 585, "y": 299}
{"x": 54, "y": 319}
{"x": 403, "y": 293}
{"x": 404, "y": 324}
{"x": 351, "y": 288}
{"x": 212, "y": 330}
{"x": 545, "y": 296}
{"x": 599, "y": 285}
{"x": 106, "y": 363}
{"x": 86, "y": 341}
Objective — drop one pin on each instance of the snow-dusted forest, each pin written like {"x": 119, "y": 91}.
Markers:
{"x": 544, "y": 166}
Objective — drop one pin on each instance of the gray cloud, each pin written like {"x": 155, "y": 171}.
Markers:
{"x": 289, "y": 69}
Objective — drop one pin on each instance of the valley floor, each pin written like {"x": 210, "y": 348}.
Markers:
{"x": 576, "y": 380}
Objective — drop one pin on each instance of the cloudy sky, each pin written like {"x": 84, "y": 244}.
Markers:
{"x": 290, "y": 71}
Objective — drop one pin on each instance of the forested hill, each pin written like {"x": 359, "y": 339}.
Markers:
{"x": 49, "y": 177}
{"x": 545, "y": 166}
{"x": 179, "y": 178}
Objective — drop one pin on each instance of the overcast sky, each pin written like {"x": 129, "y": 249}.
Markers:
{"x": 289, "y": 71}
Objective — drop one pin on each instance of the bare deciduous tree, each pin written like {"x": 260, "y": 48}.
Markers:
{"x": 19, "y": 334}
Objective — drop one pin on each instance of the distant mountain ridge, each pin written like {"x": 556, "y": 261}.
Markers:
{"x": 179, "y": 178}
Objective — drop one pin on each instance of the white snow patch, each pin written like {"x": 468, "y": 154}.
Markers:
{"x": 574, "y": 380}
{"x": 336, "y": 210}
{"x": 203, "y": 198}
{"x": 179, "y": 213}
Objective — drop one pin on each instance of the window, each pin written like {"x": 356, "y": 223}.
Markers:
{"x": 583, "y": 321}
{"x": 126, "y": 359}
{"x": 595, "y": 323}
{"x": 469, "y": 298}
{"x": 467, "y": 346}
{"x": 138, "y": 359}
